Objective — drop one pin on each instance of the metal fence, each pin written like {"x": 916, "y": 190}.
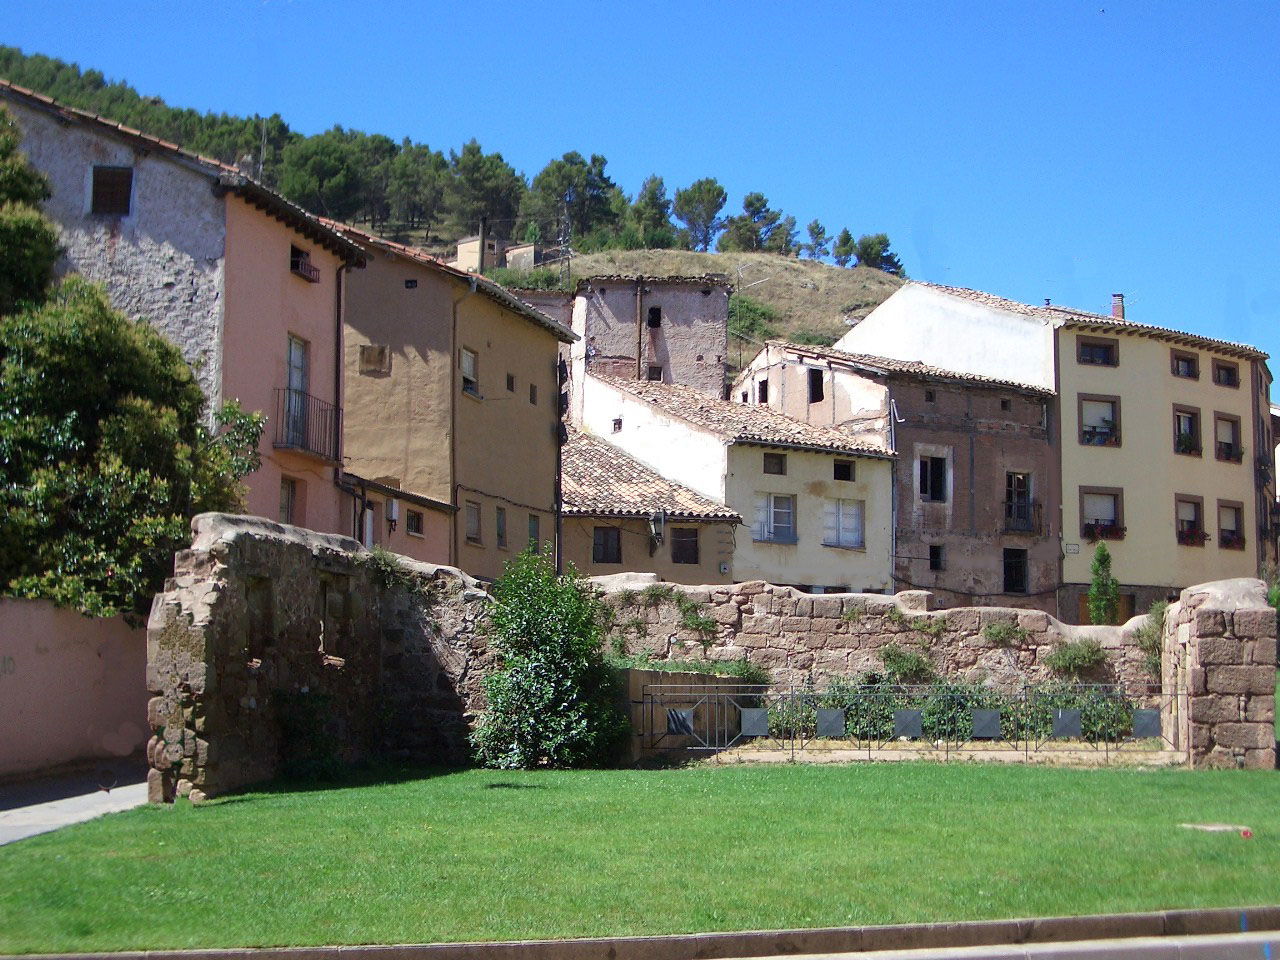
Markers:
{"x": 897, "y": 721}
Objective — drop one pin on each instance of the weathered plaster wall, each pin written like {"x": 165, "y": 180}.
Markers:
{"x": 71, "y": 687}
{"x": 715, "y": 547}
{"x": 164, "y": 261}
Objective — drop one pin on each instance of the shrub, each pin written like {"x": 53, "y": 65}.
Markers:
{"x": 743, "y": 670}
{"x": 1149, "y": 637}
{"x": 537, "y": 279}
{"x": 388, "y": 572}
{"x": 750, "y": 319}
{"x": 906, "y": 666}
{"x": 1104, "y": 591}
{"x": 553, "y": 701}
{"x": 933, "y": 626}
{"x": 1004, "y": 634}
{"x": 1076, "y": 658}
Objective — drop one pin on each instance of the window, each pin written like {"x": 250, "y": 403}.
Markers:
{"x": 1019, "y": 510}
{"x": 1186, "y": 365}
{"x": 473, "y": 522}
{"x": 500, "y": 527}
{"x": 300, "y": 265}
{"x": 1098, "y": 351}
{"x": 112, "y": 191}
{"x": 655, "y": 372}
{"x": 1015, "y": 571}
{"x": 655, "y": 318}
{"x": 842, "y": 524}
{"x": 371, "y": 534}
{"x": 606, "y": 546}
{"x": 288, "y": 500}
{"x": 535, "y": 537}
{"x": 374, "y": 358}
{"x": 1186, "y": 430}
{"x": 762, "y": 391}
{"x": 413, "y": 523}
{"x": 845, "y": 470}
{"x": 684, "y": 544}
{"x": 1226, "y": 437}
{"x": 617, "y": 425}
{"x": 930, "y": 396}
{"x": 470, "y": 364}
{"x": 775, "y": 463}
{"x": 1099, "y": 420}
{"x": 1230, "y": 525}
{"x": 815, "y": 386}
{"x": 775, "y": 518}
{"x": 937, "y": 559}
{"x": 511, "y": 383}
{"x": 1006, "y": 404}
{"x": 1189, "y": 514}
{"x": 745, "y": 395}
{"x": 1101, "y": 513}
{"x": 933, "y": 479}
{"x": 1226, "y": 374}
{"x": 533, "y": 394}
{"x": 297, "y": 375}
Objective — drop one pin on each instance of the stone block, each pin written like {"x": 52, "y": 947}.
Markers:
{"x": 1210, "y": 622}
{"x": 728, "y": 615}
{"x": 1260, "y": 759}
{"x": 1263, "y": 652}
{"x": 990, "y": 615}
{"x": 1258, "y": 736}
{"x": 1034, "y": 620}
{"x": 821, "y": 625}
{"x": 762, "y": 624}
{"x": 831, "y": 661}
{"x": 796, "y": 626}
{"x": 753, "y": 641}
{"x": 1196, "y": 681}
{"x": 915, "y": 601}
{"x": 1215, "y": 708}
{"x": 1216, "y": 651}
{"x": 828, "y": 607}
{"x": 155, "y": 786}
{"x": 963, "y": 619}
{"x": 1260, "y": 680}
{"x": 804, "y": 606}
{"x": 1260, "y": 710}
{"x": 1259, "y": 623}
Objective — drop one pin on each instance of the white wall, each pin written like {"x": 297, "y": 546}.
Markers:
{"x": 675, "y": 449}
{"x": 921, "y": 323}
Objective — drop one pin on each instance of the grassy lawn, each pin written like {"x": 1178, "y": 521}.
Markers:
{"x": 485, "y": 855}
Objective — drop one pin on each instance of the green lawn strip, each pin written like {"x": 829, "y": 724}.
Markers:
{"x": 484, "y": 855}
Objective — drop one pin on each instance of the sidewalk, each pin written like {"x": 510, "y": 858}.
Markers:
{"x": 39, "y": 806}
{"x": 1245, "y": 946}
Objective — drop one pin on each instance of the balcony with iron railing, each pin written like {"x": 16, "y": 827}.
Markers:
{"x": 1100, "y": 436}
{"x": 307, "y": 424}
{"x": 1022, "y": 516}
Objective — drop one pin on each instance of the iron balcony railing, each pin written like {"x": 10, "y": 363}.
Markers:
{"x": 307, "y": 423}
{"x": 1022, "y": 516}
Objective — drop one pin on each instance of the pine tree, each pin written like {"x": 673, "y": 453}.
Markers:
{"x": 1104, "y": 590}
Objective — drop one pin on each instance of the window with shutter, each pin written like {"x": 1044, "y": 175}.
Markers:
{"x": 843, "y": 523}
{"x": 933, "y": 479}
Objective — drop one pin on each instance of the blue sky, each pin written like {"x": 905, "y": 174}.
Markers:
{"x": 1063, "y": 150}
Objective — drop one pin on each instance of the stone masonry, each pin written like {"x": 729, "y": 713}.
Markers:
{"x": 1220, "y": 646}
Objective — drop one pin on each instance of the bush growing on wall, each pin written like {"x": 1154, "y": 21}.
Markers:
{"x": 552, "y": 701}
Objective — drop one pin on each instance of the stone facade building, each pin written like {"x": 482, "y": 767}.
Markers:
{"x": 975, "y": 489}
{"x": 246, "y": 284}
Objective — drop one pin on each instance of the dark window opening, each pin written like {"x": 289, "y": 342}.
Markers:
{"x": 533, "y": 393}
{"x": 413, "y": 522}
{"x": 617, "y": 425}
{"x": 684, "y": 544}
{"x": 300, "y": 264}
{"x": 844, "y": 470}
{"x": 929, "y": 396}
{"x": 1015, "y": 571}
{"x": 655, "y": 372}
{"x": 936, "y": 561}
{"x": 933, "y": 479}
{"x": 511, "y": 382}
{"x": 775, "y": 463}
{"x": 815, "y": 386}
{"x": 762, "y": 391}
{"x": 655, "y": 317}
{"x": 1104, "y": 353}
{"x": 112, "y": 190}
{"x": 1006, "y": 405}
{"x": 607, "y": 545}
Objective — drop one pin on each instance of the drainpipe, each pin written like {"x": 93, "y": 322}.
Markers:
{"x": 640, "y": 372}
{"x": 453, "y": 417}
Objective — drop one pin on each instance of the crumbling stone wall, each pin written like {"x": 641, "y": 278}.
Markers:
{"x": 264, "y": 627}
{"x": 799, "y": 636}
{"x": 1220, "y": 647}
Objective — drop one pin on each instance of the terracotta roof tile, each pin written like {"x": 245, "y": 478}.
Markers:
{"x": 910, "y": 367}
{"x": 743, "y": 423}
{"x": 601, "y": 480}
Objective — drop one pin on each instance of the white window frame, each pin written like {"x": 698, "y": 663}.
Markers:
{"x": 845, "y": 524}
{"x": 768, "y": 508}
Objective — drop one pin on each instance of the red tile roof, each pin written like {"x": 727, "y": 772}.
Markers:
{"x": 743, "y": 423}
{"x": 601, "y": 480}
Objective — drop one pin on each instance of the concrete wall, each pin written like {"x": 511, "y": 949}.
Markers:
{"x": 1149, "y": 471}
{"x": 715, "y": 547}
{"x": 72, "y": 688}
{"x": 921, "y": 323}
{"x": 164, "y": 261}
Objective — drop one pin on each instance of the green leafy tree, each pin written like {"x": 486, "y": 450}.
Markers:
{"x": 576, "y": 187}
{"x": 552, "y": 701}
{"x": 844, "y": 250}
{"x": 651, "y": 214}
{"x": 481, "y": 184}
{"x": 819, "y": 243}
{"x": 415, "y": 185}
{"x": 872, "y": 250}
{"x": 325, "y": 173}
{"x": 1104, "y": 590}
{"x": 781, "y": 238}
{"x": 28, "y": 241}
{"x": 698, "y": 207}
{"x": 750, "y": 319}
{"x": 749, "y": 230}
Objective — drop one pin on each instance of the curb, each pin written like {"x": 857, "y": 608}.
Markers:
{"x": 765, "y": 943}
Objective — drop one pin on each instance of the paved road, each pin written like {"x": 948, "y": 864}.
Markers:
{"x": 1236, "y": 946}
{"x": 39, "y": 806}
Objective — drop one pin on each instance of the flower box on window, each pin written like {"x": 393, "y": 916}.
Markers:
{"x": 1095, "y": 531}
{"x": 1231, "y": 540}
{"x": 1192, "y": 537}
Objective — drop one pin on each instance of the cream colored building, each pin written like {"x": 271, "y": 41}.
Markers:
{"x": 1164, "y": 437}
{"x": 620, "y": 516}
{"x": 818, "y": 503}
{"x": 453, "y": 411}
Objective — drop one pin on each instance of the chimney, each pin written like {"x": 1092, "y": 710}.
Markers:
{"x": 1117, "y": 305}
{"x": 1046, "y": 301}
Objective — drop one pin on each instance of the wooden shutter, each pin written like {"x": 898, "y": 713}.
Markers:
{"x": 831, "y": 521}
{"x": 762, "y": 516}
{"x": 851, "y": 523}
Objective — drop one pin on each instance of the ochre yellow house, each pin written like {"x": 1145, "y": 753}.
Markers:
{"x": 453, "y": 411}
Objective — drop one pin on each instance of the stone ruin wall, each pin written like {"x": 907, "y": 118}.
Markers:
{"x": 259, "y": 615}
{"x": 802, "y": 637}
